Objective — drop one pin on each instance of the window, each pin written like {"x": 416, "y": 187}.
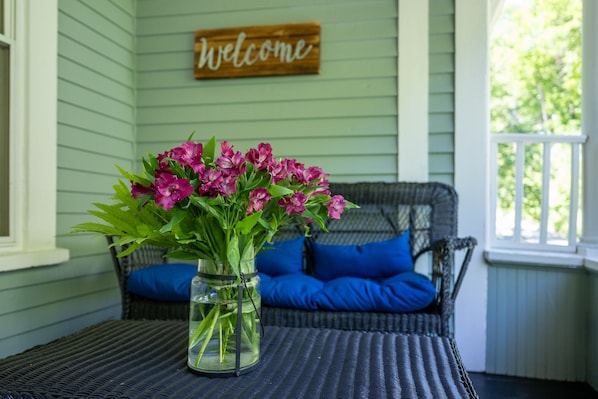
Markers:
{"x": 28, "y": 58}
{"x": 5, "y": 79}
{"x": 536, "y": 120}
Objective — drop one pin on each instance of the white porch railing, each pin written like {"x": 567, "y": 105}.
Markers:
{"x": 518, "y": 227}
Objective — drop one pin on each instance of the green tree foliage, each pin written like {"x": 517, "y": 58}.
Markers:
{"x": 535, "y": 88}
{"x": 536, "y": 68}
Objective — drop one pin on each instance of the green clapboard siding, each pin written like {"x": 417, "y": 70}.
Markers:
{"x": 125, "y": 87}
{"x": 441, "y": 102}
{"x": 343, "y": 119}
{"x": 96, "y": 129}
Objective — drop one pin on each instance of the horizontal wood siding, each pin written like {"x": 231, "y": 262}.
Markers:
{"x": 343, "y": 119}
{"x": 537, "y": 322}
{"x": 442, "y": 90}
{"x": 96, "y": 126}
{"x": 126, "y": 86}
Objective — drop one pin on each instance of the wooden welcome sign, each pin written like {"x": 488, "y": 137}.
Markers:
{"x": 289, "y": 49}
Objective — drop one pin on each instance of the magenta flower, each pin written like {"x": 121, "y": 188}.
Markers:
{"x": 138, "y": 190}
{"x": 261, "y": 156}
{"x": 321, "y": 187}
{"x": 229, "y": 185}
{"x": 230, "y": 163}
{"x": 336, "y": 206}
{"x": 294, "y": 204}
{"x": 278, "y": 172}
{"x": 170, "y": 190}
{"x": 258, "y": 198}
{"x": 294, "y": 168}
{"x": 313, "y": 173}
{"x": 212, "y": 183}
{"x": 189, "y": 154}
{"x": 163, "y": 164}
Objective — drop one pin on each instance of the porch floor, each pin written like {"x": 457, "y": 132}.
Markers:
{"x": 490, "y": 386}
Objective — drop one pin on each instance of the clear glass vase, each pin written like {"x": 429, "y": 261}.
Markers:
{"x": 224, "y": 328}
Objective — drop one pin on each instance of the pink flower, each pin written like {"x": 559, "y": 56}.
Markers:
{"x": 294, "y": 168}
{"x": 313, "y": 173}
{"x": 189, "y": 154}
{"x": 170, "y": 190}
{"x": 258, "y": 198}
{"x": 261, "y": 156}
{"x": 321, "y": 188}
{"x": 229, "y": 185}
{"x": 163, "y": 164}
{"x": 282, "y": 170}
{"x": 294, "y": 204}
{"x": 139, "y": 190}
{"x": 212, "y": 183}
{"x": 230, "y": 163}
{"x": 336, "y": 206}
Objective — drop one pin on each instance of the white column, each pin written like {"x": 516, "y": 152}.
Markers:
{"x": 413, "y": 90}
{"x": 471, "y": 171}
{"x": 589, "y": 123}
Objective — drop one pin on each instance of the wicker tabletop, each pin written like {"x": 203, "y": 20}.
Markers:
{"x": 147, "y": 359}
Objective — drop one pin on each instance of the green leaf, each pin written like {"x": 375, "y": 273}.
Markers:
{"x": 279, "y": 191}
{"x": 204, "y": 203}
{"x": 232, "y": 254}
{"x": 209, "y": 148}
{"x": 183, "y": 255}
{"x": 177, "y": 218}
{"x": 132, "y": 177}
{"x": 245, "y": 225}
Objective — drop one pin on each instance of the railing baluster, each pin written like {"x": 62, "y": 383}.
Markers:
{"x": 574, "y": 196}
{"x": 519, "y": 172}
{"x": 545, "y": 193}
{"x": 519, "y": 141}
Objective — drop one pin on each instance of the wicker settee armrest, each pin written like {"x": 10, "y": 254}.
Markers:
{"x": 443, "y": 268}
{"x": 124, "y": 265}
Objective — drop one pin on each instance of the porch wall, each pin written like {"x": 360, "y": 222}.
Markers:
{"x": 537, "y": 322}
{"x": 592, "y": 365}
{"x": 344, "y": 119}
{"x": 95, "y": 131}
{"x": 125, "y": 81}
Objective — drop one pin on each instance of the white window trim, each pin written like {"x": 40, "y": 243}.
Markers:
{"x": 34, "y": 139}
{"x": 586, "y": 255}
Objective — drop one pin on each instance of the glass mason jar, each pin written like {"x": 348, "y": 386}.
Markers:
{"x": 224, "y": 330}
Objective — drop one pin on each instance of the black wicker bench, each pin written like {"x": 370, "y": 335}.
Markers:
{"x": 427, "y": 210}
{"x": 147, "y": 359}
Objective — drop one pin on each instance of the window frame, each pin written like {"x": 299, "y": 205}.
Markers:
{"x": 33, "y": 137}
{"x": 572, "y": 256}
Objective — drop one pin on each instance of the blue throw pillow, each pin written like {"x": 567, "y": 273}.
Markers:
{"x": 164, "y": 282}
{"x": 284, "y": 257}
{"x": 405, "y": 292}
{"x": 373, "y": 260}
{"x": 289, "y": 290}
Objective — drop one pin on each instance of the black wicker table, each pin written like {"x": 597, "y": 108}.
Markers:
{"x": 147, "y": 359}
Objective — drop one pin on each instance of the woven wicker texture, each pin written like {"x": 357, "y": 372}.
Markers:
{"x": 422, "y": 323}
{"x": 428, "y": 210}
{"x": 146, "y": 359}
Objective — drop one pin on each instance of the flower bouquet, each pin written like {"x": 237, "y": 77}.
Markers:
{"x": 221, "y": 210}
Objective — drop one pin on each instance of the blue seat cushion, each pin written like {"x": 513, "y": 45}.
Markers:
{"x": 373, "y": 260}
{"x": 404, "y": 292}
{"x": 282, "y": 257}
{"x": 290, "y": 290}
{"x": 164, "y": 282}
